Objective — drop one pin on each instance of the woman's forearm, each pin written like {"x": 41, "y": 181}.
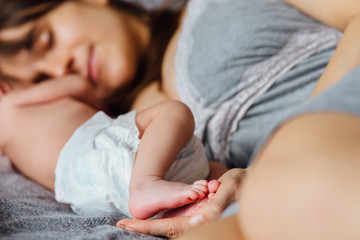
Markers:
{"x": 335, "y": 13}
{"x": 345, "y": 16}
{"x": 345, "y": 58}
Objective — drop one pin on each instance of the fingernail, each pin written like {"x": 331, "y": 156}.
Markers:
{"x": 197, "y": 220}
{"x": 119, "y": 225}
{"x": 130, "y": 229}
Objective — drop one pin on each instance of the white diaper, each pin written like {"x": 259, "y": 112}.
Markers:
{"x": 94, "y": 168}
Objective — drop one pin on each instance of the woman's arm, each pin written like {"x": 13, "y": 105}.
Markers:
{"x": 345, "y": 16}
{"x": 335, "y": 13}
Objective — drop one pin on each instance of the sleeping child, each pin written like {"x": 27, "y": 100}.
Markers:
{"x": 139, "y": 163}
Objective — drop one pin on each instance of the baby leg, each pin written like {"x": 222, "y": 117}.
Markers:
{"x": 165, "y": 129}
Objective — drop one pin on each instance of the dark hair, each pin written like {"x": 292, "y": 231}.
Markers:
{"x": 17, "y": 12}
{"x": 162, "y": 22}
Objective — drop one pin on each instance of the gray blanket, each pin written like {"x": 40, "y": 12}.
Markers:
{"x": 29, "y": 211}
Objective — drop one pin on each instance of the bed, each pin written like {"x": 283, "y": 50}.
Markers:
{"x": 29, "y": 211}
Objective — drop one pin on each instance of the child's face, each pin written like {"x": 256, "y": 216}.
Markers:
{"x": 85, "y": 38}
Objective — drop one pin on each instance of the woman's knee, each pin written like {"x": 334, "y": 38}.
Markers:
{"x": 304, "y": 183}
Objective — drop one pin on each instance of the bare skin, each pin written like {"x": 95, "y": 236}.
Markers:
{"x": 283, "y": 194}
{"x": 301, "y": 189}
{"x": 152, "y": 160}
{"x": 20, "y": 125}
{"x": 313, "y": 194}
{"x": 339, "y": 14}
{"x": 226, "y": 194}
{"x": 176, "y": 208}
{"x": 218, "y": 229}
{"x": 343, "y": 15}
{"x": 143, "y": 203}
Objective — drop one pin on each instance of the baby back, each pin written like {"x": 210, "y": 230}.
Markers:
{"x": 33, "y": 136}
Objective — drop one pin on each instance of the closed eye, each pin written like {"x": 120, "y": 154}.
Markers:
{"x": 42, "y": 42}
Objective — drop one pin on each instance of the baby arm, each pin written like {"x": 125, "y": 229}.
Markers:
{"x": 54, "y": 89}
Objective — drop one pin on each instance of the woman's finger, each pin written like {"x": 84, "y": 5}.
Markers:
{"x": 168, "y": 227}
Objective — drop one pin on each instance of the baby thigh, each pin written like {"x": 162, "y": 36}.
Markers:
{"x": 304, "y": 183}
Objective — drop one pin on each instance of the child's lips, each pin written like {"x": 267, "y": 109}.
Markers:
{"x": 92, "y": 68}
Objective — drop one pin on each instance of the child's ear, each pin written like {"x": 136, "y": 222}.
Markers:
{"x": 4, "y": 87}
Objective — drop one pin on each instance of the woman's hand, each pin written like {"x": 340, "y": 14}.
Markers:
{"x": 171, "y": 227}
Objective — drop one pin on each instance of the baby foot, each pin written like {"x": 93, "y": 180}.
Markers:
{"x": 192, "y": 208}
{"x": 187, "y": 210}
{"x": 213, "y": 186}
{"x": 158, "y": 195}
